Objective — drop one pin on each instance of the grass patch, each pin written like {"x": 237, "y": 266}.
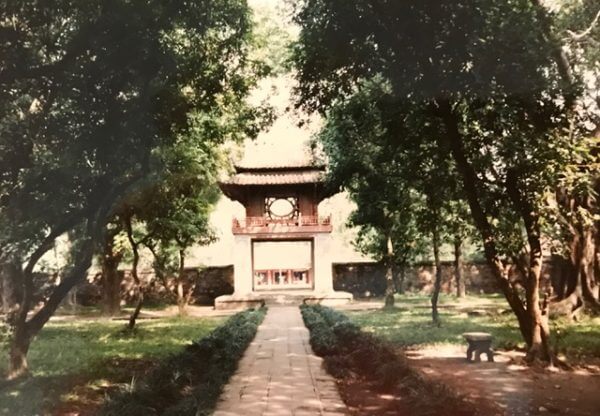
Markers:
{"x": 92, "y": 352}
{"x": 352, "y": 354}
{"x": 409, "y": 324}
{"x": 74, "y": 346}
{"x": 577, "y": 340}
{"x": 190, "y": 382}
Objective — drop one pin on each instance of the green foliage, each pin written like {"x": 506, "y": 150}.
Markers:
{"x": 403, "y": 188}
{"x": 363, "y": 161}
{"x": 442, "y": 51}
{"x": 578, "y": 23}
{"x": 503, "y": 132}
{"x": 272, "y": 39}
{"x": 102, "y": 102}
{"x": 429, "y": 50}
{"x": 577, "y": 202}
{"x": 83, "y": 114}
{"x": 189, "y": 383}
{"x": 479, "y": 88}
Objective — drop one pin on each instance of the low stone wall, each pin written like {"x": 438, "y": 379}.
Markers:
{"x": 368, "y": 279}
{"x": 361, "y": 279}
{"x": 210, "y": 282}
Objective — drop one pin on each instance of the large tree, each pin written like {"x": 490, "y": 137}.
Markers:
{"x": 575, "y": 29}
{"x": 405, "y": 190}
{"x": 176, "y": 214}
{"x": 365, "y": 164}
{"x": 484, "y": 71}
{"x": 90, "y": 92}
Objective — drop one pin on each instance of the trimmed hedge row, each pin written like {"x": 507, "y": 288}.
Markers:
{"x": 189, "y": 383}
{"x": 347, "y": 349}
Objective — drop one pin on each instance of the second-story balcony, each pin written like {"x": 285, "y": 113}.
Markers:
{"x": 266, "y": 225}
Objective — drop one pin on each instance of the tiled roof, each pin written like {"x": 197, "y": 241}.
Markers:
{"x": 285, "y": 152}
{"x": 276, "y": 178}
{"x": 279, "y": 165}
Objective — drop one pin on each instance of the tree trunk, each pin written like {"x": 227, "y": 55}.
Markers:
{"x": 437, "y": 284}
{"x": 587, "y": 270}
{"x": 578, "y": 286}
{"x": 111, "y": 288}
{"x": 21, "y": 337}
{"x": 17, "y": 359}
{"x": 567, "y": 300}
{"x": 562, "y": 271}
{"x": 10, "y": 283}
{"x": 470, "y": 185}
{"x": 399, "y": 276}
{"x": 134, "y": 274}
{"x": 458, "y": 268}
{"x": 389, "y": 274}
{"x": 25, "y": 330}
{"x": 539, "y": 343}
{"x": 182, "y": 299}
{"x": 539, "y": 336}
{"x": 111, "y": 278}
{"x": 136, "y": 312}
{"x": 597, "y": 255}
{"x": 579, "y": 278}
{"x": 558, "y": 54}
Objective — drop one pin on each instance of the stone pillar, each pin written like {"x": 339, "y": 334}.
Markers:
{"x": 322, "y": 263}
{"x": 242, "y": 265}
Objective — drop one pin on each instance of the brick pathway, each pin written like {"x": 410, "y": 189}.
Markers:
{"x": 280, "y": 375}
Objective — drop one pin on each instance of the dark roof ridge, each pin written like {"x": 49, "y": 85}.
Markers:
{"x": 272, "y": 169}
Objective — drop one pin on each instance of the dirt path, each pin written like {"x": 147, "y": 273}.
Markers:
{"x": 516, "y": 389}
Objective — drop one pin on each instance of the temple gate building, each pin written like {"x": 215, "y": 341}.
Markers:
{"x": 282, "y": 247}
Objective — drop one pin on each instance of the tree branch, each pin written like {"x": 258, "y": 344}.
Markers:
{"x": 578, "y": 36}
{"x": 83, "y": 261}
{"x": 27, "y": 274}
{"x": 560, "y": 57}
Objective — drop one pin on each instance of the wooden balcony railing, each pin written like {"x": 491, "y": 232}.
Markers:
{"x": 265, "y": 224}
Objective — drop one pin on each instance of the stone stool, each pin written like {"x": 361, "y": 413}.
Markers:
{"x": 479, "y": 343}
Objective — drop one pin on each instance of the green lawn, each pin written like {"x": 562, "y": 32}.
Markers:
{"x": 409, "y": 324}
{"x": 94, "y": 352}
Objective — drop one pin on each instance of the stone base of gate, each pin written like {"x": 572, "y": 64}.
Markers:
{"x": 257, "y": 299}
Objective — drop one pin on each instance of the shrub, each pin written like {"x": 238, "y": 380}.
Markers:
{"x": 347, "y": 349}
{"x": 339, "y": 366}
{"x": 322, "y": 339}
{"x": 189, "y": 383}
{"x": 389, "y": 374}
{"x": 346, "y": 333}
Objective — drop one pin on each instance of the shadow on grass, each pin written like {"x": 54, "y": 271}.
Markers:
{"x": 410, "y": 325}
{"x": 77, "y": 394}
{"x": 92, "y": 355}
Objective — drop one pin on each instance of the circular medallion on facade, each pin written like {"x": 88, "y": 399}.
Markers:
{"x": 282, "y": 207}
